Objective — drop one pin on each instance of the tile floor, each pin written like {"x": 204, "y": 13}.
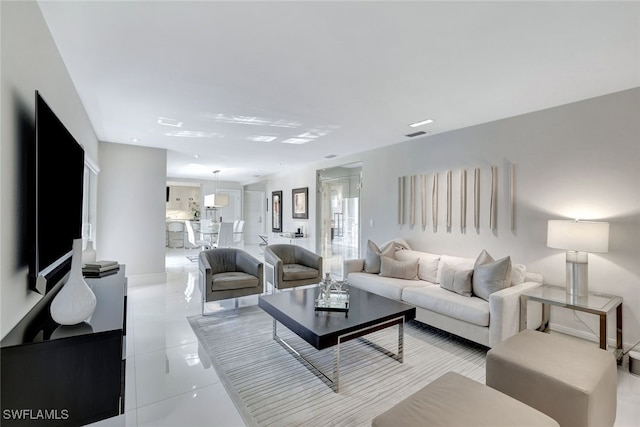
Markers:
{"x": 170, "y": 383}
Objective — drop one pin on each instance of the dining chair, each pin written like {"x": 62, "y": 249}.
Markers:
{"x": 225, "y": 236}
{"x": 237, "y": 232}
{"x": 191, "y": 237}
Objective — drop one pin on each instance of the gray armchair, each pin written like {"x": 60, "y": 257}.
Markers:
{"x": 229, "y": 273}
{"x": 289, "y": 266}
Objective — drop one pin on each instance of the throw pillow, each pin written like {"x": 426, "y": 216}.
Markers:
{"x": 427, "y": 263}
{"x": 398, "y": 244}
{"x": 372, "y": 257}
{"x": 459, "y": 263}
{"x": 458, "y": 281}
{"x": 518, "y": 274}
{"x": 390, "y": 267}
{"x": 490, "y": 276}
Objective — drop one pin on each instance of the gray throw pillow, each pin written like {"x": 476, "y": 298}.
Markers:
{"x": 458, "y": 281}
{"x": 390, "y": 267}
{"x": 490, "y": 276}
{"x": 372, "y": 257}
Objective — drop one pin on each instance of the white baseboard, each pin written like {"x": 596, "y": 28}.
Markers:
{"x": 146, "y": 279}
{"x": 585, "y": 335}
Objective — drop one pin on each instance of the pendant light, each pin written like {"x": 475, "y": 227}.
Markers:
{"x": 216, "y": 200}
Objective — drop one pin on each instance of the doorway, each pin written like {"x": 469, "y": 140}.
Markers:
{"x": 254, "y": 214}
{"x": 339, "y": 208}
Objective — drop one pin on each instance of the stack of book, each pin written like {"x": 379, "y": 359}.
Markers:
{"x": 100, "y": 268}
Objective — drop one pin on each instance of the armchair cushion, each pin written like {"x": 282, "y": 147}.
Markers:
{"x": 298, "y": 272}
{"x": 233, "y": 280}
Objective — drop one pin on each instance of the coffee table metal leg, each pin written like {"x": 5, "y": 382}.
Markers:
{"x": 335, "y": 385}
{"x": 334, "y": 382}
{"x": 400, "y": 357}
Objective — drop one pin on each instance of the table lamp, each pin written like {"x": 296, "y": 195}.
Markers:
{"x": 578, "y": 238}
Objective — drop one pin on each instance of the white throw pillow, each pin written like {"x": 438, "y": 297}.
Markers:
{"x": 458, "y": 281}
{"x": 390, "y": 267}
{"x": 427, "y": 263}
{"x": 490, "y": 276}
{"x": 518, "y": 273}
{"x": 458, "y": 263}
{"x": 398, "y": 245}
{"x": 372, "y": 257}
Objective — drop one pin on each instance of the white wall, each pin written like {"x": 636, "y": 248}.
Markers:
{"x": 30, "y": 62}
{"x": 576, "y": 161}
{"x": 131, "y": 217}
{"x": 581, "y": 160}
{"x": 286, "y": 182}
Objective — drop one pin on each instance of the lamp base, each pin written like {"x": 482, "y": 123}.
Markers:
{"x": 577, "y": 274}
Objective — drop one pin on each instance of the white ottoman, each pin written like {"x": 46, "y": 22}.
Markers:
{"x": 454, "y": 401}
{"x": 573, "y": 382}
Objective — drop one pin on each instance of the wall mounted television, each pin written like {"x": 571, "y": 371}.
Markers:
{"x": 56, "y": 220}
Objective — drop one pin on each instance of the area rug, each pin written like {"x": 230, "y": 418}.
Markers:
{"x": 271, "y": 387}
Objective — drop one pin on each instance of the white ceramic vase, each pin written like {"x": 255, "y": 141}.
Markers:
{"x": 76, "y": 301}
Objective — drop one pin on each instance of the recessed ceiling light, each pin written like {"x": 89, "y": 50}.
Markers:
{"x": 423, "y": 122}
{"x": 193, "y": 134}
{"x": 165, "y": 121}
{"x": 134, "y": 139}
{"x": 330, "y": 156}
{"x": 262, "y": 138}
{"x": 197, "y": 156}
{"x": 296, "y": 141}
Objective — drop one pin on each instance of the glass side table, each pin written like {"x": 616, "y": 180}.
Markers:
{"x": 594, "y": 303}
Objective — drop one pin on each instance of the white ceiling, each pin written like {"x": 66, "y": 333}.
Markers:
{"x": 346, "y": 76}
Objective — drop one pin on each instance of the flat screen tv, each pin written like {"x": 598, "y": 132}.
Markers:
{"x": 57, "y": 199}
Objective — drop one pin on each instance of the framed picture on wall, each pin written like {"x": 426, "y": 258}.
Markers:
{"x": 301, "y": 203}
{"x": 276, "y": 211}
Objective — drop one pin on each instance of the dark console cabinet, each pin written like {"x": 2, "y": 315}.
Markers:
{"x": 66, "y": 375}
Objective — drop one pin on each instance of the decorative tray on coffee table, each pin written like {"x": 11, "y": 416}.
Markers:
{"x": 338, "y": 301}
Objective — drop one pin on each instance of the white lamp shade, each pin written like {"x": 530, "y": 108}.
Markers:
{"x": 216, "y": 200}
{"x": 581, "y": 236}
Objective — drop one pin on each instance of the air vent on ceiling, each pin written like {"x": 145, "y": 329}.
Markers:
{"x": 411, "y": 135}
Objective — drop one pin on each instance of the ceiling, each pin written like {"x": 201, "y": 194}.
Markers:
{"x": 253, "y": 88}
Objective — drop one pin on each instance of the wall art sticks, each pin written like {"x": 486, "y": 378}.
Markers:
{"x": 418, "y": 186}
{"x": 401, "y": 185}
{"x": 412, "y": 200}
{"x": 512, "y": 196}
{"x": 493, "y": 213}
{"x": 476, "y": 198}
{"x": 449, "y": 200}
{"x": 423, "y": 200}
{"x": 463, "y": 200}
{"x": 434, "y": 202}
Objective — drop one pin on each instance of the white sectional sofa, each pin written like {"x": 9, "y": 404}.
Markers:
{"x": 463, "y": 313}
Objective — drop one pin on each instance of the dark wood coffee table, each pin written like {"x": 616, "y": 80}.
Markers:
{"x": 368, "y": 313}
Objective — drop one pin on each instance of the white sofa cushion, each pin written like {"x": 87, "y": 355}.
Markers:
{"x": 386, "y": 286}
{"x": 427, "y": 263}
{"x": 432, "y": 297}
